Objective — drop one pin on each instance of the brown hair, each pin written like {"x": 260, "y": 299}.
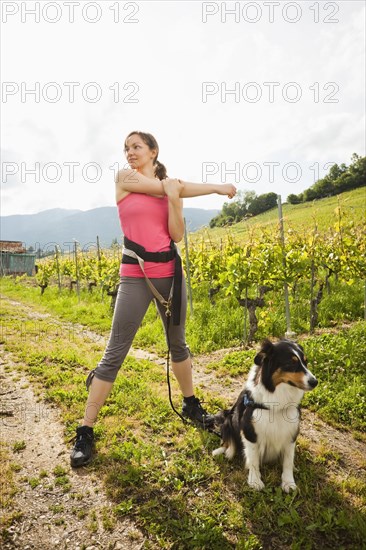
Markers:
{"x": 160, "y": 170}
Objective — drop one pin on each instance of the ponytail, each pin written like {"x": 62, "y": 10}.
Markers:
{"x": 160, "y": 170}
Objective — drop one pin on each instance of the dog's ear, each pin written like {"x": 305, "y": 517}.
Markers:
{"x": 258, "y": 359}
{"x": 266, "y": 350}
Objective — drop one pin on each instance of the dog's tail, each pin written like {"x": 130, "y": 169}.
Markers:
{"x": 220, "y": 417}
{"x": 229, "y": 443}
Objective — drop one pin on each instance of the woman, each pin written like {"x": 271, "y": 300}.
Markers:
{"x": 150, "y": 208}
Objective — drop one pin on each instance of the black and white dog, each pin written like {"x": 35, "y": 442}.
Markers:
{"x": 264, "y": 422}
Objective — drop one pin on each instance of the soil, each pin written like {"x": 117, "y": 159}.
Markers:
{"x": 38, "y": 424}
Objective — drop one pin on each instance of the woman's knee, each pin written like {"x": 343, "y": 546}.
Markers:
{"x": 107, "y": 373}
{"x": 179, "y": 353}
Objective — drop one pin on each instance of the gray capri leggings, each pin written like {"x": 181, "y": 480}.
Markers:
{"x": 133, "y": 300}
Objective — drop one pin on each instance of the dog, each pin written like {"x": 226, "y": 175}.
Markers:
{"x": 264, "y": 422}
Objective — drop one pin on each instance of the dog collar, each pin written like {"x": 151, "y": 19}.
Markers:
{"x": 248, "y": 402}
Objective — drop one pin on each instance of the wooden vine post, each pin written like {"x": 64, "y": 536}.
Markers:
{"x": 288, "y": 333}
{"x": 76, "y": 269}
{"x": 58, "y": 268}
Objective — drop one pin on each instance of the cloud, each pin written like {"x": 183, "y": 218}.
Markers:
{"x": 10, "y": 170}
{"x": 332, "y": 136}
{"x": 169, "y": 53}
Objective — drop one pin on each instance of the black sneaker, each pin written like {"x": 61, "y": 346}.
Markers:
{"x": 82, "y": 451}
{"x": 193, "y": 410}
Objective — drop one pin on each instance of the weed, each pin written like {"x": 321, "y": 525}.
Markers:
{"x": 56, "y": 508}
{"x": 15, "y": 467}
{"x": 133, "y": 534}
{"x": 108, "y": 519}
{"x": 81, "y": 514}
{"x": 19, "y": 446}
{"x": 34, "y": 482}
{"x": 59, "y": 471}
{"x": 64, "y": 482}
{"x": 77, "y": 496}
{"x": 93, "y": 524}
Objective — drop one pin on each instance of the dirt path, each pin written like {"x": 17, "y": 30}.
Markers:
{"x": 51, "y": 517}
{"x": 77, "y": 519}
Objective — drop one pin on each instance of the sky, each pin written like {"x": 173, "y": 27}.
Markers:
{"x": 265, "y": 95}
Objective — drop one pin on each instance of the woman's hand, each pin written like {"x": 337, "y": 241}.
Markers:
{"x": 227, "y": 189}
{"x": 172, "y": 187}
{"x": 184, "y": 189}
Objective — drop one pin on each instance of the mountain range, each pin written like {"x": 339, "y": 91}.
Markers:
{"x": 60, "y": 226}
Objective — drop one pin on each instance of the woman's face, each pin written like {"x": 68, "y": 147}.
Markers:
{"x": 138, "y": 154}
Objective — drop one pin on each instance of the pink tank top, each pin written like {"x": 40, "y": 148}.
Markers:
{"x": 144, "y": 220}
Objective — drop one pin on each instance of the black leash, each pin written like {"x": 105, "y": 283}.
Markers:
{"x": 136, "y": 254}
{"x": 184, "y": 420}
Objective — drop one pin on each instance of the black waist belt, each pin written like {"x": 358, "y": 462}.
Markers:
{"x": 160, "y": 257}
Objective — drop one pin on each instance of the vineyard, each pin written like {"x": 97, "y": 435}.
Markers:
{"x": 269, "y": 278}
{"x": 164, "y": 488}
{"x": 90, "y": 269}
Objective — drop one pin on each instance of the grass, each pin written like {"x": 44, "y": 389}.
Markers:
{"x": 220, "y": 324}
{"x": 162, "y": 474}
{"x": 91, "y": 310}
{"x": 234, "y": 364}
{"x": 337, "y": 360}
{"x": 19, "y": 446}
{"x": 213, "y": 325}
{"x": 34, "y": 482}
{"x": 8, "y": 490}
{"x": 302, "y": 216}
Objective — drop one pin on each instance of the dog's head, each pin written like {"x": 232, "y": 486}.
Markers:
{"x": 284, "y": 362}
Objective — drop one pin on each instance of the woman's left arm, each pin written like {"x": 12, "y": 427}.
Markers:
{"x": 175, "y": 220}
{"x": 172, "y": 188}
{"x": 177, "y": 189}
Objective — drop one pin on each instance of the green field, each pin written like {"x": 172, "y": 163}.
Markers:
{"x": 323, "y": 213}
{"x": 160, "y": 473}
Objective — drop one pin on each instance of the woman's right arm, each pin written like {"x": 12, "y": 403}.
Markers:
{"x": 131, "y": 181}
{"x": 198, "y": 189}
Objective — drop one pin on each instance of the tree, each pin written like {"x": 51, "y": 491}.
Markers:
{"x": 234, "y": 211}
{"x": 309, "y": 194}
{"x": 340, "y": 178}
{"x": 262, "y": 203}
{"x": 294, "y": 199}
{"x": 336, "y": 171}
{"x": 323, "y": 188}
{"x": 358, "y": 169}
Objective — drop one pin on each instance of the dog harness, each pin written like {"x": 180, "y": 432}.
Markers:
{"x": 248, "y": 402}
{"x": 134, "y": 253}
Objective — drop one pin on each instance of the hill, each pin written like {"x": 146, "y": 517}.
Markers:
{"x": 63, "y": 226}
{"x": 304, "y": 216}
